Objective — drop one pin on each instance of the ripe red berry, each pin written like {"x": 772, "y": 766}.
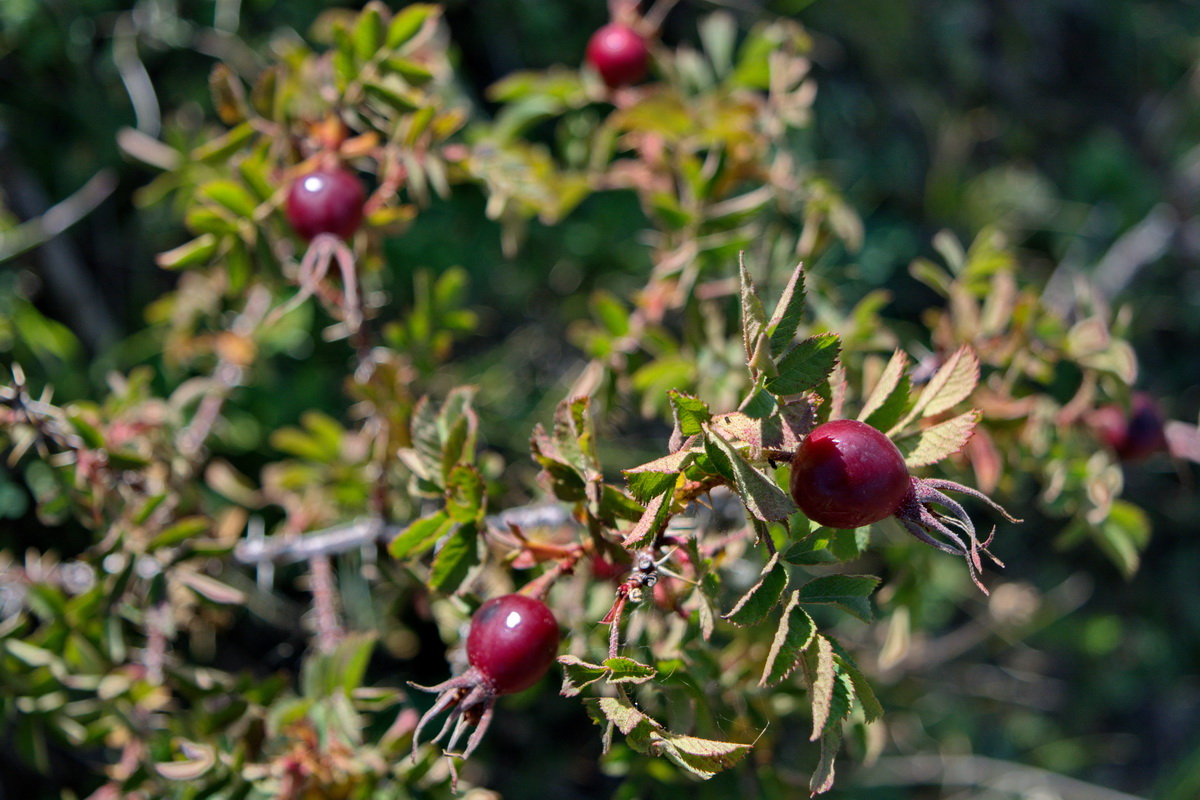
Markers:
{"x": 325, "y": 201}
{"x": 513, "y": 641}
{"x": 619, "y": 54}
{"x": 847, "y": 474}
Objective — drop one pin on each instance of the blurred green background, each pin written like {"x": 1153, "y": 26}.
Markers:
{"x": 1074, "y": 125}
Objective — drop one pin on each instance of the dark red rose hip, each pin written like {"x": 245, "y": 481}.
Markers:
{"x": 846, "y": 474}
{"x": 619, "y": 54}
{"x": 511, "y": 644}
{"x": 326, "y": 201}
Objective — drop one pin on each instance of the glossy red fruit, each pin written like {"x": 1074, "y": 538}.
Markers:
{"x": 512, "y": 642}
{"x": 619, "y": 54}
{"x": 326, "y": 201}
{"x": 847, "y": 474}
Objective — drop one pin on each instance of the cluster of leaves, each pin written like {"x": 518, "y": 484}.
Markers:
{"x": 795, "y": 385}
{"x": 750, "y": 605}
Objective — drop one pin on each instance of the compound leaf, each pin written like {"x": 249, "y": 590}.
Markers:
{"x": 951, "y": 384}
{"x": 651, "y": 524}
{"x": 848, "y": 592}
{"x": 822, "y": 777}
{"x": 690, "y": 412}
{"x": 763, "y": 596}
{"x": 806, "y": 365}
{"x": 889, "y": 399}
{"x": 794, "y": 635}
{"x": 785, "y": 320}
{"x": 627, "y": 670}
{"x": 754, "y": 318}
{"x": 938, "y": 441}
{"x": 820, "y": 675}
{"x": 454, "y": 560}
{"x": 577, "y": 674}
{"x": 872, "y": 710}
{"x": 762, "y": 496}
{"x": 420, "y": 535}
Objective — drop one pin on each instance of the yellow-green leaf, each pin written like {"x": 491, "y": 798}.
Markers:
{"x": 938, "y": 441}
{"x": 407, "y": 23}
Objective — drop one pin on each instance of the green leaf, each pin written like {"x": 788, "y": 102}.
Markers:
{"x": 340, "y": 670}
{"x": 938, "y": 441}
{"x": 181, "y": 531}
{"x": 299, "y": 443}
{"x": 718, "y": 31}
{"x": 760, "y": 405}
{"x": 872, "y": 710}
{"x": 785, "y": 320}
{"x": 848, "y": 592}
{"x": 415, "y": 74}
{"x": 394, "y": 93}
{"x": 812, "y": 549}
{"x": 763, "y": 596}
{"x": 754, "y": 318}
{"x": 565, "y": 481}
{"x": 691, "y": 413}
{"x": 626, "y": 670}
{"x": 761, "y": 494}
{"x": 646, "y": 485}
{"x": 368, "y": 32}
{"x": 465, "y": 494}
{"x": 198, "y": 251}
{"x": 458, "y": 554}
{"x": 701, "y": 757}
{"x": 1123, "y": 534}
{"x": 610, "y": 311}
{"x": 407, "y": 23}
{"x": 230, "y": 195}
{"x": 578, "y": 674}
{"x": 457, "y": 427}
{"x": 792, "y": 637}
{"x": 420, "y": 535}
{"x": 887, "y": 401}
{"x": 574, "y": 437}
{"x": 651, "y": 524}
{"x": 822, "y": 777}
{"x": 950, "y": 385}
{"x": 782, "y": 429}
{"x": 92, "y": 437}
{"x": 620, "y": 712}
{"x": 848, "y": 544}
{"x": 820, "y": 675}
{"x": 806, "y": 365}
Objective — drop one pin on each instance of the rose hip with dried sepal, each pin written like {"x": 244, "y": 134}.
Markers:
{"x": 511, "y": 644}
{"x": 327, "y": 200}
{"x": 846, "y": 474}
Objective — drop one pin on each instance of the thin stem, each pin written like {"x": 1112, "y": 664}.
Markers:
{"x": 324, "y": 592}
{"x": 158, "y": 622}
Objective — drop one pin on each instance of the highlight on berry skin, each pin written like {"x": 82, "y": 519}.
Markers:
{"x": 619, "y": 55}
{"x": 846, "y": 474}
{"x": 325, "y": 201}
{"x": 512, "y": 642}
